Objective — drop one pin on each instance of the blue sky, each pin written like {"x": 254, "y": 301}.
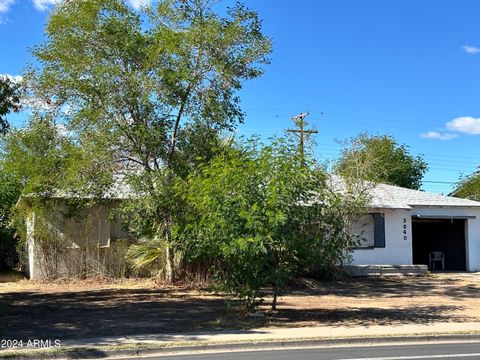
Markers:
{"x": 406, "y": 68}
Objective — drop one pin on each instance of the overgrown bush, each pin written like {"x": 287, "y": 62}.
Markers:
{"x": 266, "y": 213}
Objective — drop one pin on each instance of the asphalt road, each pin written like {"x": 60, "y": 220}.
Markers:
{"x": 450, "y": 351}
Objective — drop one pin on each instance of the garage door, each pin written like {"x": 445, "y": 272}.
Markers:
{"x": 445, "y": 235}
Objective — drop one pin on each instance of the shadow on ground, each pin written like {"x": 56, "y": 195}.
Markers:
{"x": 69, "y": 315}
{"x": 370, "y": 316}
{"x": 388, "y": 287}
{"x": 120, "y": 312}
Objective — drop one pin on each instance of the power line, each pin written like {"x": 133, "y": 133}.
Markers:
{"x": 302, "y": 134}
{"x": 434, "y": 159}
{"x": 323, "y": 113}
{"x": 437, "y": 156}
{"x": 369, "y": 118}
{"x": 439, "y": 182}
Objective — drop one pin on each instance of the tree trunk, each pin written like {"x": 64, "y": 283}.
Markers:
{"x": 170, "y": 266}
{"x": 274, "y": 301}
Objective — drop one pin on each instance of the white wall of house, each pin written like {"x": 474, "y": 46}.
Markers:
{"x": 398, "y": 245}
{"x": 472, "y": 231}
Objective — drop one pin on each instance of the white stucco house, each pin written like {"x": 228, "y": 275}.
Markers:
{"x": 402, "y": 229}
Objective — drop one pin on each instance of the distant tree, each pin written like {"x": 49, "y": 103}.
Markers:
{"x": 9, "y": 101}
{"x": 381, "y": 159}
{"x": 468, "y": 187}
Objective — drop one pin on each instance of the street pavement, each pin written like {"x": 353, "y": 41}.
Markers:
{"x": 450, "y": 351}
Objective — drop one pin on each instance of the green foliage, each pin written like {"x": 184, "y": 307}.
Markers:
{"x": 175, "y": 65}
{"x": 9, "y": 101}
{"x": 43, "y": 161}
{"x": 36, "y": 156}
{"x": 266, "y": 213}
{"x": 9, "y": 194}
{"x": 468, "y": 187}
{"x": 146, "y": 254}
{"x": 144, "y": 89}
{"x": 32, "y": 162}
{"x": 381, "y": 159}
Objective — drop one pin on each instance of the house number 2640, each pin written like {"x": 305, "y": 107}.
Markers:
{"x": 405, "y": 229}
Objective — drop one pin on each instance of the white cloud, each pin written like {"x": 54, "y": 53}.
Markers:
{"x": 5, "y": 5}
{"x": 43, "y": 5}
{"x": 438, "y": 135}
{"x": 471, "y": 49}
{"x": 465, "y": 124}
{"x": 137, "y": 4}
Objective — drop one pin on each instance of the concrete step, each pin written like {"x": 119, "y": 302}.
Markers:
{"x": 387, "y": 270}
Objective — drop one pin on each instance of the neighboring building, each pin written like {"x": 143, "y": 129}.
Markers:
{"x": 82, "y": 246}
{"x": 402, "y": 229}
{"x": 91, "y": 243}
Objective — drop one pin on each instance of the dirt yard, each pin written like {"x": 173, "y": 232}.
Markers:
{"x": 90, "y": 308}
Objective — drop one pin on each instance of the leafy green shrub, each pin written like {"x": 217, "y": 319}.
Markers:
{"x": 267, "y": 213}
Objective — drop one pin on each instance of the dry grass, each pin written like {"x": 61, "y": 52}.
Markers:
{"x": 11, "y": 276}
{"x": 445, "y": 297}
{"x": 67, "y": 285}
{"x": 104, "y": 307}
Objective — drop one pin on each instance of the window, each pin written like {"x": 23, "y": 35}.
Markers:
{"x": 369, "y": 231}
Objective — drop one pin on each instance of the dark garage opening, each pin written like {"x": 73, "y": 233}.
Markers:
{"x": 445, "y": 235}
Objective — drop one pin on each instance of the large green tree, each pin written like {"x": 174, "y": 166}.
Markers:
{"x": 265, "y": 214}
{"x": 382, "y": 159}
{"x": 139, "y": 87}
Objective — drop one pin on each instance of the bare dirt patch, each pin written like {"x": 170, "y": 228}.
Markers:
{"x": 67, "y": 310}
{"x": 415, "y": 300}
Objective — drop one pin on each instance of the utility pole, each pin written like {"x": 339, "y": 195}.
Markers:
{"x": 302, "y": 134}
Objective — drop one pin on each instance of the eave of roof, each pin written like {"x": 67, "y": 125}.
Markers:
{"x": 384, "y": 196}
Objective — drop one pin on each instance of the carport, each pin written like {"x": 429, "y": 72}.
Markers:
{"x": 416, "y": 223}
{"x": 440, "y": 234}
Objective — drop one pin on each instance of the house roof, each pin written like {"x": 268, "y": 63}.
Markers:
{"x": 384, "y": 196}
{"x": 381, "y": 196}
{"x": 118, "y": 190}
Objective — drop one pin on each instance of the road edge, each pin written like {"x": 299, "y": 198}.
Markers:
{"x": 139, "y": 349}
